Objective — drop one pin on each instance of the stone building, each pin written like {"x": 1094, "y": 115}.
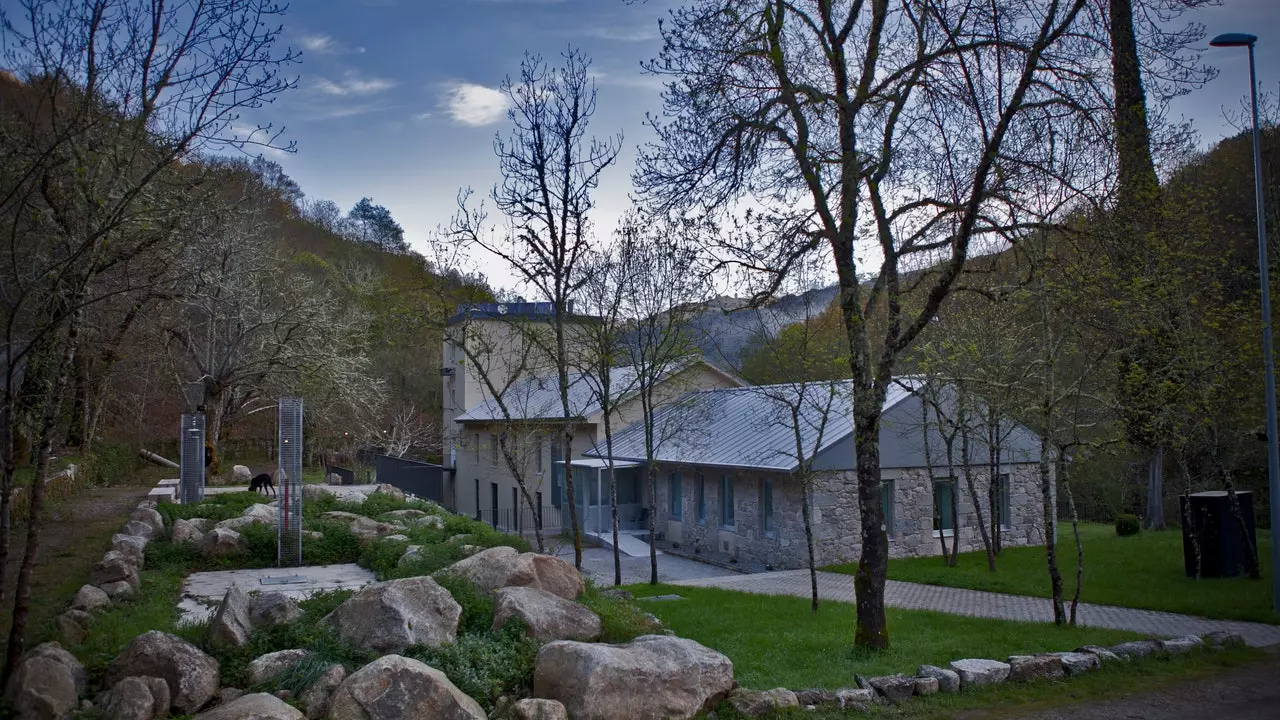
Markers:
{"x": 731, "y": 480}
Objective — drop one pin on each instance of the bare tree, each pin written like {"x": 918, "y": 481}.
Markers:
{"x": 550, "y": 168}
{"x": 922, "y": 126}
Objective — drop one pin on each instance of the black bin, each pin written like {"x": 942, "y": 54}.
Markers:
{"x": 1207, "y": 517}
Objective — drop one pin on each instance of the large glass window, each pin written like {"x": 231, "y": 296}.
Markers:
{"x": 1002, "y": 500}
{"x": 675, "y": 494}
{"x": 886, "y": 504}
{"x": 726, "y": 502}
{"x": 943, "y": 490}
{"x": 766, "y": 506}
{"x": 702, "y": 498}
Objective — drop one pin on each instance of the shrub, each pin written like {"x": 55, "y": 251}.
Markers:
{"x": 620, "y": 620}
{"x": 477, "y": 608}
{"x": 337, "y": 546}
{"x": 216, "y": 507}
{"x": 486, "y": 665}
{"x": 381, "y": 556}
{"x": 1127, "y": 525}
{"x": 428, "y": 560}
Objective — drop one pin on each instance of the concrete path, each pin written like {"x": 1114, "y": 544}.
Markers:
{"x": 597, "y": 564}
{"x": 975, "y": 603}
{"x": 628, "y": 544}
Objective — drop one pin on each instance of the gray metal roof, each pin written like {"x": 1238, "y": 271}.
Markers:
{"x": 748, "y": 427}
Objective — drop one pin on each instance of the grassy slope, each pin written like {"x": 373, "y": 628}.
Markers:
{"x": 775, "y": 641}
{"x": 1143, "y": 571}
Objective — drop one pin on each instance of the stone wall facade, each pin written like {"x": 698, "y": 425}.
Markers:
{"x": 834, "y": 506}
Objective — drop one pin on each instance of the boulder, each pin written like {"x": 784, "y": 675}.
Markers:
{"x": 241, "y": 475}
{"x": 948, "y": 680}
{"x": 227, "y": 694}
{"x": 314, "y": 492}
{"x": 366, "y": 529}
{"x": 315, "y": 699}
{"x": 73, "y": 627}
{"x": 546, "y": 616}
{"x": 816, "y": 697}
{"x": 395, "y": 538}
{"x": 1023, "y": 668}
{"x": 236, "y": 523}
{"x": 263, "y": 512}
{"x": 537, "y": 709}
{"x": 115, "y": 566}
{"x": 221, "y": 542}
{"x": 149, "y": 516}
{"x": 1136, "y": 649}
{"x": 390, "y": 490}
{"x": 860, "y": 699}
{"x": 975, "y": 672}
{"x": 503, "y": 566}
{"x": 185, "y": 531}
{"x": 926, "y": 686}
{"x": 266, "y": 668}
{"x": 394, "y": 687}
{"x": 139, "y": 529}
{"x": 47, "y": 684}
{"x": 202, "y": 524}
{"x": 258, "y": 706}
{"x": 754, "y": 703}
{"x": 333, "y": 479}
{"x": 1104, "y": 655}
{"x": 191, "y": 675}
{"x": 118, "y": 590}
{"x": 406, "y": 514}
{"x": 90, "y": 598}
{"x": 341, "y": 515}
{"x": 136, "y": 698}
{"x": 230, "y": 625}
{"x": 131, "y": 545}
{"x": 434, "y": 522}
{"x": 411, "y": 553}
{"x": 273, "y": 608}
{"x": 312, "y": 535}
{"x": 388, "y": 617}
{"x": 1178, "y": 646}
{"x": 894, "y": 688}
{"x": 1077, "y": 663}
{"x": 1220, "y": 639}
{"x": 653, "y": 676}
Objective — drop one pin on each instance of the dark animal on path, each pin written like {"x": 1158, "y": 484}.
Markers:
{"x": 262, "y": 482}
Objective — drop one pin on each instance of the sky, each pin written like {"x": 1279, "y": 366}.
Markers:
{"x": 397, "y": 100}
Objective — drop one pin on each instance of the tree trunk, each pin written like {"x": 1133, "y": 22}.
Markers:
{"x": 928, "y": 468}
{"x": 1065, "y": 483}
{"x": 806, "y": 512}
{"x": 573, "y": 497}
{"x": 78, "y": 417}
{"x": 1188, "y": 517}
{"x": 869, "y": 581}
{"x": 1155, "y": 490}
{"x": 993, "y": 488}
{"x": 613, "y": 494}
{"x": 952, "y": 559}
{"x": 973, "y": 496}
{"x": 651, "y": 471}
{"x": 1051, "y": 533}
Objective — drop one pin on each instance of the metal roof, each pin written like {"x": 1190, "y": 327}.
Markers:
{"x": 749, "y": 427}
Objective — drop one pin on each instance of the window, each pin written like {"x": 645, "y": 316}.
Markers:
{"x": 537, "y": 454}
{"x": 475, "y": 443}
{"x": 477, "y": 498}
{"x": 726, "y": 502}
{"x": 493, "y": 499}
{"x": 1003, "y": 508}
{"x": 557, "y": 475}
{"x": 886, "y": 504}
{"x": 675, "y": 494}
{"x": 943, "y": 490}
{"x": 766, "y": 507}
{"x": 493, "y": 448}
{"x": 702, "y": 499}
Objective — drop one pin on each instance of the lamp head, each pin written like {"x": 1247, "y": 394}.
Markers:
{"x": 1234, "y": 40}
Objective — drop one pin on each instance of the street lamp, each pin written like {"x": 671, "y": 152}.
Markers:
{"x": 1273, "y": 441}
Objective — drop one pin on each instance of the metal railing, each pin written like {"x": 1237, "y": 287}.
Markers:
{"x": 520, "y": 521}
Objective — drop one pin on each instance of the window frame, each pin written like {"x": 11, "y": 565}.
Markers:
{"x": 889, "y": 504}
{"x": 701, "y": 511}
{"x": 675, "y": 495}
{"x": 728, "y": 511}
{"x": 768, "y": 528}
{"x": 1004, "y": 504}
{"x": 939, "y": 529}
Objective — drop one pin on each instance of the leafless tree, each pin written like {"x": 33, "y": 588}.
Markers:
{"x": 550, "y": 168}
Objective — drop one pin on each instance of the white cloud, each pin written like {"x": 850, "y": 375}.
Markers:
{"x": 321, "y": 44}
{"x": 352, "y": 84}
{"x": 474, "y": 105}
{"x": 640, "y": 33}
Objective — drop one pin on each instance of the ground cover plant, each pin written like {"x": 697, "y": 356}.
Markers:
{"x": 777, "y": 642}
{"x": 1139, "y": 571}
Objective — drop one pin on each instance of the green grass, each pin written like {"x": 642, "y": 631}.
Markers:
{"x": 1142, "y": 571}
{"x": 776, "y": 641}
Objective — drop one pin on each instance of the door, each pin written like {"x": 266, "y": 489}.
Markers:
{"x": 493, "y": 498}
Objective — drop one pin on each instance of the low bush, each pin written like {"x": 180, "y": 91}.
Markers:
{"x": 620, "y": 620}
{"x": 428, "y": 560}
{"x": 1127, "y": 525}
{"x": 486, "y": 665}
{"x": 214, "y": 507}
{"x": 477, "y": 608}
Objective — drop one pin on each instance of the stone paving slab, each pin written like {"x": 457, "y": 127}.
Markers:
{"x": 975, "y": 603}
{"x": 202, "y": 590}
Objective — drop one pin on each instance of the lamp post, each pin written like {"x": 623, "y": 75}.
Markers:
{"x": 1273, "y": 442}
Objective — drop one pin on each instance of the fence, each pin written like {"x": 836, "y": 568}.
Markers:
{"x": 521, "y": 521}
{"x": 422, "y": 479}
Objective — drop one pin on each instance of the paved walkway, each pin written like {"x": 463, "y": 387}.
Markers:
{"x": 597, "y": 564}
{"x": 975, "y": 603}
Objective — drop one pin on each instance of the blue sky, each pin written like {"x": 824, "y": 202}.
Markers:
{"x": 397, "y": 98}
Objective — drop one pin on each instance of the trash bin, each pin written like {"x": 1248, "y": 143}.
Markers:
{"x": 1207, "y": 517}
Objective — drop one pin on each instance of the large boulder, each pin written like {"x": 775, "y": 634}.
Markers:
{"x": 1077, "y": 663}
{"x": 1103, "y": 654}
{"x": 115, "y": 566}
{"x": 47, "y": 684}
{"x": 266, "y": 514}
{"x": 222, "y": 542}
{"x": 131, "y": 545}
{"x": 1136, "y": 649}
{"x": 434, "y": 522}
{"x": 894, "y": 688}
{"x": 406, "y": 514}
{"x": 391, "y": 491}
{"x": 258, "y": 706}
{"x": 120, "y": 590}
{"x": 411, "y": 553}
{"x": 238, "y": 523}
{"x": 315, "y": 698}
{"x": 948, "y": 680}
{"x": 860, "y": 699}
{"x": 136, "y": 698}
{"x": 653, "y": 676}
{"x": 548, "y": 617}
{"x": 90, "y": 598}
{"x": 388, "y": 617}
{"x": 191, "y": 675}
{"x": 266, "y": 668}
{"x": 537, "y": 709}
{"x": 241, "y": 475}
{"x": 140, "y": 529}
{"x": 394, "y": 687}
{"x": 366, "y": 529}
{"x": 333, "y": 479}
{"x": 185, "y": 531}
{"x": 499, "y": 567}
{"x": 755, "y": 703}
{"x": 314, "y": 492}
{"x": 150, "y": 517}
{"x": 73, "y": 627}
{"x": 1023, "y": 668}
{"x": 230, "y": 625}
{"x": 975, "y": 672}
{"x": 273, "y": 608}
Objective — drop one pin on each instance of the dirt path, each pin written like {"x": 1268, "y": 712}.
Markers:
{"x": 74, "y": 536}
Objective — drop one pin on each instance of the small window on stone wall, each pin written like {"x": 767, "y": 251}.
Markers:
{"x": 726, "y": 502}
{"x": 886, "y": 504}
{"x": 766, "y": 507}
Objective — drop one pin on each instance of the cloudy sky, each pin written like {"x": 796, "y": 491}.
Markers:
{"x": 398, "y": 100}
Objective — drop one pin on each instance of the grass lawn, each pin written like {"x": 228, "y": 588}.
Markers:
{"x": 1141, "y": 571}
{"x": 776, "y": 641}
